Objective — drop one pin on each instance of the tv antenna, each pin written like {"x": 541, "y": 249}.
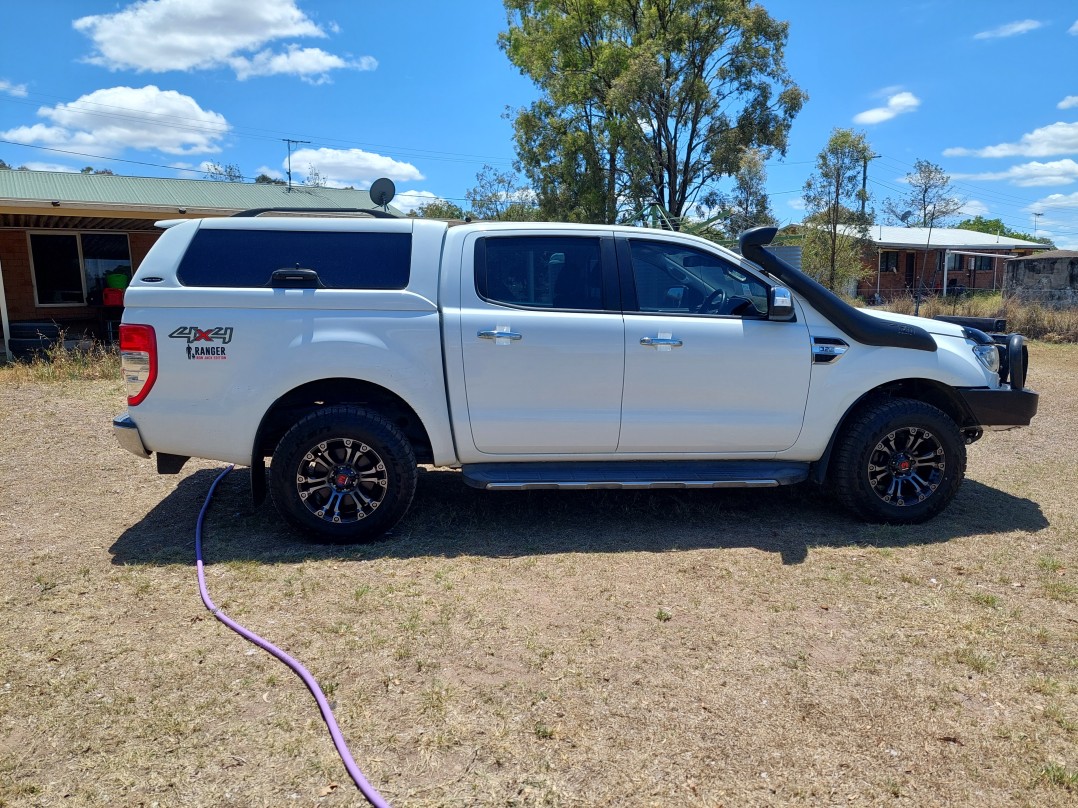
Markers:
{"x": 291, "y": 143}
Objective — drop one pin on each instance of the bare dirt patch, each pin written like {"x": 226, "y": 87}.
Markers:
{"x": 667, "y": 648}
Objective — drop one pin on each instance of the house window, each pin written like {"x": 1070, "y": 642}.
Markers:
{"x": 983, "y": 263}
{"x": 889, "y": 261}
{"x": 68, "y": 267}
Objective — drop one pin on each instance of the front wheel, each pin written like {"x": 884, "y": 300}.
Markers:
{"x": 900, "y": 461}
{"x": 343, "y": 474}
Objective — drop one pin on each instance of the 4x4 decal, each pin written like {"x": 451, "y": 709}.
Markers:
{"x": 193, "y": 333}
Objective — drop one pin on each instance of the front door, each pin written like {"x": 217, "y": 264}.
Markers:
{"x": 543, "y": 344}
{"x": 705, "y": 370}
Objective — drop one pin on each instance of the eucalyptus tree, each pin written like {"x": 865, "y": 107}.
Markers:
{"x": 645, "y": 100}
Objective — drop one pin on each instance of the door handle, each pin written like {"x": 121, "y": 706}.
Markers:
{"x": 513, "y": 335}
{"x": 661, "y": 342}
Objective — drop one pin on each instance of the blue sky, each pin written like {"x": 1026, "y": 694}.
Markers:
{"x": 417, "y": 91}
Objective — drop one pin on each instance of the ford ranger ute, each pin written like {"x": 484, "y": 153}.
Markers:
{"x": 539, "y": 356}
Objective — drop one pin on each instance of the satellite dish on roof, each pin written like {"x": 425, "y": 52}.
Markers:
{"x": 382, "y": 192}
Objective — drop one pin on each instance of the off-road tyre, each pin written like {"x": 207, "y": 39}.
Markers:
{"x": 343, "y": 475}
{"x": 900, "y": 461}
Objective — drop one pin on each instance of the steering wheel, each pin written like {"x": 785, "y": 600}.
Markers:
{"x": 712, "y": 302}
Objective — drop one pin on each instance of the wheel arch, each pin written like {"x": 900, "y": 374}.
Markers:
{"x": 305, "y": 398}
{"x": 938, "y": 394}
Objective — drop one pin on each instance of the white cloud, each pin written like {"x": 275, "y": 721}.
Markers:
{"x": 51, "y": 167}
{"x": 352, "y": 166}
{"x": 896, "y": 105}
{"x": 17, "y": 90}
{"x": 111, "y": 120}
{"x": 1057, "y": 172}
{"x": 161, "y": 35}
{"x": 1069, "y": 101}
{"x": 1054, "y": 201}
{"x": 1047, "y": 141}
{"x": 408, "y": 201}
{"x": 1010, "y": 29}
{"x": 797, "y": 203}
{"x": 1073, "y": 30}
{"x": 270, "y": 172}
{"x": 310, "y": 64}
{"x": 1067, "y": 207}
{"x": 974, "y": 207}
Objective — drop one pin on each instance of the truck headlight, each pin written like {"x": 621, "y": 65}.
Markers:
{"x": 988, "y": 356}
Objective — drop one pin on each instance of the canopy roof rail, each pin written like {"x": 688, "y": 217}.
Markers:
{"x": 372, "y": 212}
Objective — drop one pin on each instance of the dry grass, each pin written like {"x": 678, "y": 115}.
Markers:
{"x": 92, "y": 362}
{"x": 605, "y": 648}
{"x": 1036, "y": 321}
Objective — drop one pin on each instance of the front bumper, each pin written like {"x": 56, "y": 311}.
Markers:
{"x": 127, "y": 435}
{"x": 1000, "y": 407}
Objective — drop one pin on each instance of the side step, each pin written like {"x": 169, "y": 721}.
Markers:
{"x": 635, "y": 474}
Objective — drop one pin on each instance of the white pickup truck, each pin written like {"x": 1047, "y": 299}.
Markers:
{"x": 537, "y": 356}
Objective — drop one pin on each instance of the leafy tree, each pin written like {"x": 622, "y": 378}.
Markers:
{"x": 997, "y": 228}
{"x": 500, "y": 196}
{"x": 439, "y": 209}
{"x": 314, "y": 177}
{"x": 836, "y": 236}
{"x": 92, "y": 170}
{"x": 931, "y": 197}
{"x": 266, "y": 179}
{"x": 229, "y": 172}
{"x": 748, "y": 202}
{"x": 4, "y": 165}
{"x": 644, "y": 100}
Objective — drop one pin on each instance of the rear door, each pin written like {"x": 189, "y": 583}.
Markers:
{"x": 705, "y": 370}
{"x": 542, "y": 342}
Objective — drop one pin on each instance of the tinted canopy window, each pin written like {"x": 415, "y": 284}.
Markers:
{"x": 342, "y": 260}
{"x": 553, "y": 272}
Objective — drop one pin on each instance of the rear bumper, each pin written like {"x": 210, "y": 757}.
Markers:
{"x": 127, "y": 435}
{"x": 1000, "y": 407}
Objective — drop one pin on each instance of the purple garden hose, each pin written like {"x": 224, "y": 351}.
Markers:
{"x": 368, "y": 791}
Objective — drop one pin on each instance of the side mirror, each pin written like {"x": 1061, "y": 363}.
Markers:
{"x": 780, "y": 304}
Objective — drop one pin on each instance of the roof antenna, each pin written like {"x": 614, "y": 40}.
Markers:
{"x": 290, "y": 143}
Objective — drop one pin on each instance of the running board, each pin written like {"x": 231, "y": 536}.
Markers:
{"x": 634, "y": 474}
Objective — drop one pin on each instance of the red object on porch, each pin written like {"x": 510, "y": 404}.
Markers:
{"x": 112, "y": 297}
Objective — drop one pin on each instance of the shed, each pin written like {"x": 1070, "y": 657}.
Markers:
{"x": 1049, "y": 277}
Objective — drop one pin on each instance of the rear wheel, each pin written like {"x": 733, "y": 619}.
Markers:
{"x": 343, "y": 474}
{"x": 901, "y": 461}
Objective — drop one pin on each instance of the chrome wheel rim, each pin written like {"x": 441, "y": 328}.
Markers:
{"x": 341, "y": 480}
{"x": 906, "y": 466}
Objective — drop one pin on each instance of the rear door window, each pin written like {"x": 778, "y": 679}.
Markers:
{"x": 247, "y": 258}
{"x": 545, "y": 272}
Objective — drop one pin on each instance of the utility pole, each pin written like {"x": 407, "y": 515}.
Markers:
{"x": 1036, "y": 218}
{"x": 291, "y": 143}
{"x": 864, "y": 180}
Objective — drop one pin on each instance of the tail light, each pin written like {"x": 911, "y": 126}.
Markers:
{"x": 138, "y": 360}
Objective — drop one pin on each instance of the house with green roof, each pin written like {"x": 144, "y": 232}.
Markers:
{"x": 66, "y": 238}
